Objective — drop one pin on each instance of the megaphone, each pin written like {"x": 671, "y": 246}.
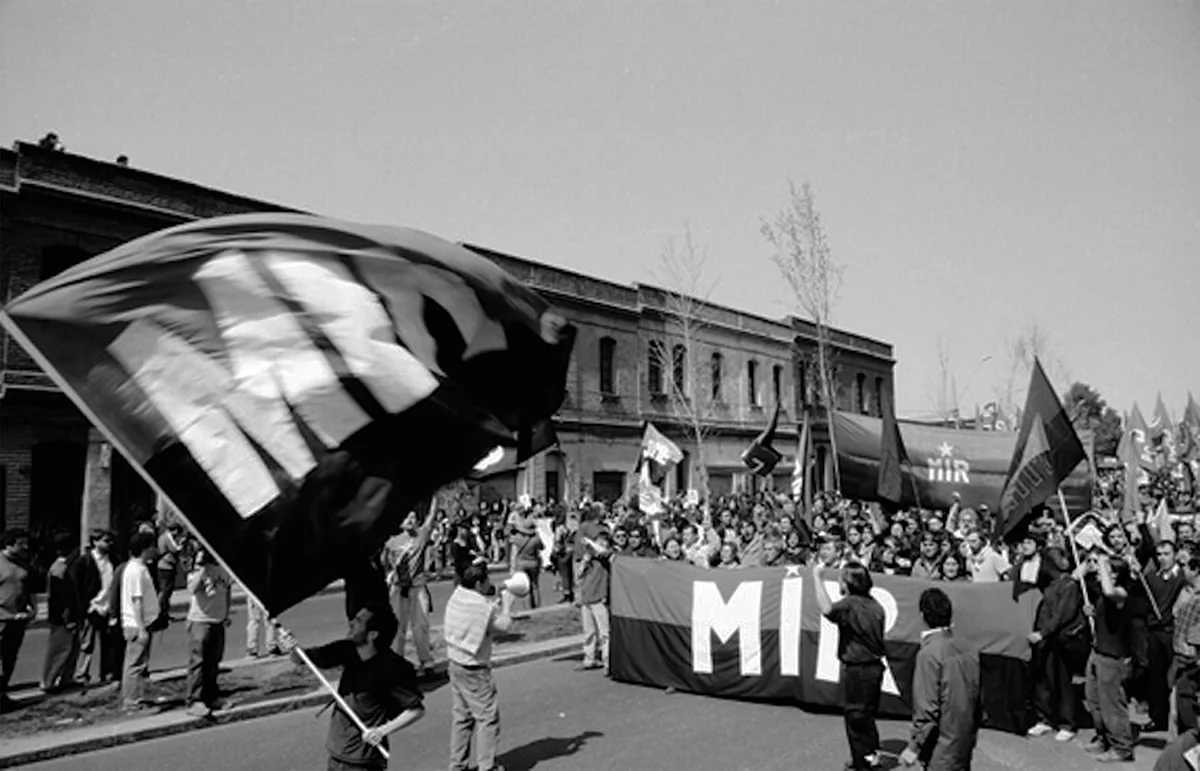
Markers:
{"x": 517, "y": 584}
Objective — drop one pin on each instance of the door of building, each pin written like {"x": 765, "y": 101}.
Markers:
{"x": 56, "y": 488}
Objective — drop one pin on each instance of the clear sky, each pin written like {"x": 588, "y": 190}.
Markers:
{"x": 979, "y": 167}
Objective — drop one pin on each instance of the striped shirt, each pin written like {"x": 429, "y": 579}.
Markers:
{"x": 404, "y": 558}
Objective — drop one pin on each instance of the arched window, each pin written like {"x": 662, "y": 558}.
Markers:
{"x": 717, "y": 361}
{"x": 608, "y": 348}
{"x": 802, "y": 383}
{"x": 777, "y": 382}
{"x": 654, "y": 366}
{"x": 879, "y": 396}
{"x": 752, "y": 381}
{"x": 679, "y": 369}
{"x": 860, "y": 388}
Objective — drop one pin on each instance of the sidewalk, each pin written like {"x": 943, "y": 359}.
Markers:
{"x": 181, "y": 598}
{"x": 57, "y": 744}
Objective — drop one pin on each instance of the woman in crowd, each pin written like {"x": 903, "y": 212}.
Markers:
{"x": 952, "y": 568}
{"x": 673, "y": 549}
{"x": 928, "y": 564}
{"x": 729, "y": 556}
{"x": 860, "y": 622}
{"x": 1061, "y": 644}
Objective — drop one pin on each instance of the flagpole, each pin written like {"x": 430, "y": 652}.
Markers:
{"x": 11, "y": 327}
{"x": 1062, "y": 501}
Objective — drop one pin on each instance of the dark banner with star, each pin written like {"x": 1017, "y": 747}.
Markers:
{"x": 941, "y": 462}
{"x": 758, "y": 634}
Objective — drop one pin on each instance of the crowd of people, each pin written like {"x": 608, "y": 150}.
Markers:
{"x": 1120, "y": 618}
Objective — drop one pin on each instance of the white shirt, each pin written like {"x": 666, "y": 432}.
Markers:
{"x": 136, "y": 582}
{"x": 99, "y": 603}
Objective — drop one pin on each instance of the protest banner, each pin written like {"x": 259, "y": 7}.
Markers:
{"x": 757, "y": 634}
{"x": 942, "y": 461}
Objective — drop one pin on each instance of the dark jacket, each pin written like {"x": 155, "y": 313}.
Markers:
{"x": 84, "y": 575}
{"x": 62, "y": 605}
{"x": 1061, "y": 608}
{"x": 946, "y": 706}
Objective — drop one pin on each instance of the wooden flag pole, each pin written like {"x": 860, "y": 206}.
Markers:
{"x": 11, "y": 327}
{"x": 1062, "y": 501}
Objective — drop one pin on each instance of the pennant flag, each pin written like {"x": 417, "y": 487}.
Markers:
{"x": 1135, "y": 442}
{"x": 891, "y": 453}
{"x": 1159, "y": 523}
{"x": 800, "y": 469}
{"x": 1189, "y": 440}
{"x": 659, "y": 455}
{"x": 1162, "y": 433}
{"x": 294, "y": 384}
{"x": 760, "y": 457}
{"x": 1047, "y": 451}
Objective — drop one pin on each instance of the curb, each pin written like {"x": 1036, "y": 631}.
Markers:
{"x": 184, "y": 724}
{"x": 236, "y": 601}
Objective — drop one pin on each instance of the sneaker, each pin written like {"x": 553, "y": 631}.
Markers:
{"x": 1041, "y": 729}
{"x": 199, "y": 709}
{"x": 1064, "y": 735}
{"x": 1095, "y": 747}
{"x": 1112, "y": 756}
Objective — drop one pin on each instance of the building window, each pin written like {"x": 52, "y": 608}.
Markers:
{"x": 802, "y": 383}
{"x": 860, "y": 388}
{"x": 752, "y": 381}
{"x": 608, "y": 348}
{"x": 777, "y": 382}
{"x": 879, "y": 397}
{"x": 552, "y": 490}
{"x": 716, "y": 377}
{"x": 681, "y": 475}
{"x": 654, "y": 366}
{"x": 679, "y": 369}
{"x": 56, "y": 259}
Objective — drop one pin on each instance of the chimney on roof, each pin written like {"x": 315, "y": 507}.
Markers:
{"x": 122, "y": 160}
{"x": 50, "y": 142}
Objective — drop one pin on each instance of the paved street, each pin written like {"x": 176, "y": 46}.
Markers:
{"x": 557, "y": 719}
{"x": 312, "y": 621}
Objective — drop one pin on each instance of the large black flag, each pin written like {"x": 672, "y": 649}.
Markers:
{"x": 760, "y": 457}
{"x": 1047, "y": 451}
{"x": 891, "y": 453}
{"x": 296, "y": 384}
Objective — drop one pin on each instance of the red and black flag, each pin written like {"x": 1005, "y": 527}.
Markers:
{"x": 760, "y": 457}
{"x": 294, "y": 384}
{"x": 892, "y": 453}
{"x": 1047, "y": 450}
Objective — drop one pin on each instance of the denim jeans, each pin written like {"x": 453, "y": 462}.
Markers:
{"x": 474, "y": 712}
{"x": 136, "y": 674}
{"x": 206, "y": 641}
{"x": 1107, "y": 702}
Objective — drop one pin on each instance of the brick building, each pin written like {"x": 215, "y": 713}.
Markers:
{"x": 57, "y": 209}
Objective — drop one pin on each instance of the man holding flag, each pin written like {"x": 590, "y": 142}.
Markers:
{"x": 295, "y": 384}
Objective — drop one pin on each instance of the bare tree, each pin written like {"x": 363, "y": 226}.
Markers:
{"x": 1030, "y": 343}
{"x": 805, "y": 261}
{"x": 687, "y": 288}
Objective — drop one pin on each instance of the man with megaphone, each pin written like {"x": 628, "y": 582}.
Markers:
{"x": 472, "y": 615}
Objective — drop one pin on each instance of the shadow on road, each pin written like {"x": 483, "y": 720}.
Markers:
{"x": 529, "y": 755}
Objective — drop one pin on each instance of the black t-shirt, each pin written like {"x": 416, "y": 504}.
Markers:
{"x": 377, "y": 689}
{"x": 860, "y": 629}
{"x": 1113, "y": 625}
